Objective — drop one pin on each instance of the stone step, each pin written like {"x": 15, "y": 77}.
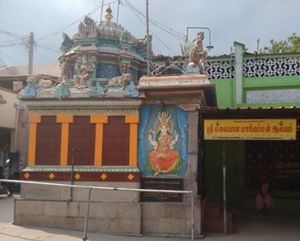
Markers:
{"x": 213, "y": 212}
{"x": 216, "y": 224}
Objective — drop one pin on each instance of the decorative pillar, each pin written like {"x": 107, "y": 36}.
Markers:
{"x": 33, "y": 120}
{"x": 133, "y": 120}
{"x": 65, "y": 120}
{"x": 94, "y": 74}
{"x": 99, "y": 121}
{"x": 239, "y": 52}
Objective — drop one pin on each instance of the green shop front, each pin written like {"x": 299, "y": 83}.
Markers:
{"x": 251, "y": 144}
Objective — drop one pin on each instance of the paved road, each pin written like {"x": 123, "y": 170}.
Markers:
{"x": 6, "y": 209}
{"x": 250, "y": 228}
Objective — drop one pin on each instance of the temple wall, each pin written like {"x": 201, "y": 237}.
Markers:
{"x": 40, "y": 193}
{"x": 119, "y": 216}
{"x": 8, "y": 119}
{"x": 115, "y": 212}
{"x": 170, "y": 218}
{"x": 132, "y": 218}
{"x": 192, "y": 164}
{"x": 106, "y": 217}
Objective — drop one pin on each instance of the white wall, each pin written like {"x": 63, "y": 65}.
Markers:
{"x": 8, "y": 110}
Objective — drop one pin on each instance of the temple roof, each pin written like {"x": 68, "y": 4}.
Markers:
{"x": 105, "y": 37}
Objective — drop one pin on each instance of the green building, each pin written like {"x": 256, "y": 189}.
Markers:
{"x": 256, "y": 93}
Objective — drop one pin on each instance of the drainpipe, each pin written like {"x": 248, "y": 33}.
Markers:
{"x": 25, "y": 137}
{"x": 148, "y": 40}
{"x": 224, "y": 189}
{"x": 238, "y": 77}
{"x": 72, "y": 173}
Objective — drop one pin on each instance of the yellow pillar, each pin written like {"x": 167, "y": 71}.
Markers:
{"x": 65, "y": 120}
{"x": 133, "y": 120}
{"x": 33, "y": 120}
{"x": 99, "y": 121}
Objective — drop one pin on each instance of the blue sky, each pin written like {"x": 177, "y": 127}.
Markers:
{"x": 232, "y": 20}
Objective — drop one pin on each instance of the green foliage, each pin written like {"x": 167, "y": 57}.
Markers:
{"x": 291, "y": 45}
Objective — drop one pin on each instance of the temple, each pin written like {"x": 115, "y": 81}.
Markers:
{"x": 105, "y": 123}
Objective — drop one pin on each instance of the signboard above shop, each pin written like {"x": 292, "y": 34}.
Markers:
{"x": 250, "y": 129}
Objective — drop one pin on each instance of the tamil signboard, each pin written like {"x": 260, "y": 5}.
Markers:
{"x": 250, "y": 129}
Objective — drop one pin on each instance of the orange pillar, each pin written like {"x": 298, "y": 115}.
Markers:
{"x": 65, "y": 120}
{"x": 99, "y": 121}
{"x": 33, "y": 120}
{"x": 133, "y": 120}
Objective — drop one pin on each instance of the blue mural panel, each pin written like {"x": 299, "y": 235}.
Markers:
{"x": 134, "y": 74}
{"x": 107, "y": 70}
{"x": 163, "y": 138}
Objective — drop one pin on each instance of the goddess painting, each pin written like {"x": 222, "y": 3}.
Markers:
{"x": 163, "y": 158}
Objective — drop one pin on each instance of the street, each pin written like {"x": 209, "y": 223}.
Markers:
{"x": 6, "y": 209}
{"x": 262, "y": 227}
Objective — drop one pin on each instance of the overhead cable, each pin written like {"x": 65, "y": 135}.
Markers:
{"x": 76, "y": 21}
{"x": 13, "y": 60}
{"x": 13, "y": 35}
{"x": 166, "y": 29}
{"x": 10, "y": 44}
{"x": 48, "y": 48}
{"x": 152, "y": 32}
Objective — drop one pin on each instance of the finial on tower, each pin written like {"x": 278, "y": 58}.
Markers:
{"x": 108, "y": 15}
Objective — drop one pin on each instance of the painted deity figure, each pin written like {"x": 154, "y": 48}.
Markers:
{"x": 84, "y": 69}
{"x": 64, "y": 70}
{"x": 121, "y": 81}
{"x": 163, "y": 158}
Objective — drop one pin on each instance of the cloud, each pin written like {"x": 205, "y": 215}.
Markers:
{"x": 244, "y": 21}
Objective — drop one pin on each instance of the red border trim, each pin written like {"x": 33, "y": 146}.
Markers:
{"x": 82, "y": 176}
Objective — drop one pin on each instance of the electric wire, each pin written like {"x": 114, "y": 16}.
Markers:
{"x": 2, "y": 61}
{"x": 139, "y": 15}
{"x": 13, "y": 35}
{"x": 50, "y": 48}
{"x": 174, "y": 63}
{"x": 8, "y": 56}
{"x": 74, "y": 22}
{"x": 10, "y": 45}
{"x": 8, "y": 68}
{"x": 137, "y": 12}
{"x": 162, "y": 42}
{"x": 12, "y": 41}
{"x": 143, "y": 21}
{"x": 19, "y": 39}
{"x": 54, "y": 49}
{"x": 166, "y": 29}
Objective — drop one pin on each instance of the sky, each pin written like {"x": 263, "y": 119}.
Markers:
{"x": 244, "y": 21}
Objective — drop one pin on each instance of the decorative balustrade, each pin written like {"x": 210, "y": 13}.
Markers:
{"x": 253, "y": 65}
{"x": 267, "y": 66}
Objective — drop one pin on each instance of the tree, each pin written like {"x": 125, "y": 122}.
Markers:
{"x": 291, "y": 45}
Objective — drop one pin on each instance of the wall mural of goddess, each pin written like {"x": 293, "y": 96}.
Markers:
{"x": 163, "y": 141}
